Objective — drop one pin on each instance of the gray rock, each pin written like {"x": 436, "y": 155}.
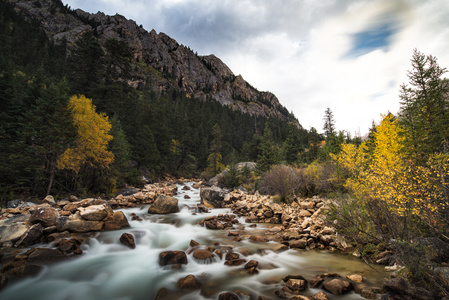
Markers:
{"x": 213, "y": 197}
{"x": 12, "y": 232}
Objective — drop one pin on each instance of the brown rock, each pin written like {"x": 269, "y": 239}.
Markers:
{"x": 203, "y": 255}
{"x": 32, "y": 236}
{"x": 235, "y": 262}
{"x": 320, "y": 296}
{"x": 338, "y": 286}
{"x": 355, "y": 277}
{"x": 258, "y": 239}
{"x": 164, "y": 205}
{"x": 296, "y": 285}
{"x": 117, "y": 221}
{"x": 45, "y": 215}
{"x": 127, "y": 240}
{"x": 251, "y": 264}
{"x": 189, "y": 282}
{"x": 298, "y": 244}
{"x": 20, "y": 269}
{"x": 49, "y": 199}
{"x": 93, "y": 212}
{"x": 78, "y": 225}
{"x": 44, "y": 255}
{"x": 231, "y": 255}
{"x": 194, "y": 243}
{"x": 172, "y": 258}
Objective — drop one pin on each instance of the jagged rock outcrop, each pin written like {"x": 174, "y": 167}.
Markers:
{"x": 160, "y": 63}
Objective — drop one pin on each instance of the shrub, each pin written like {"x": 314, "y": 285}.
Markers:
{"x": 281, "y": 180}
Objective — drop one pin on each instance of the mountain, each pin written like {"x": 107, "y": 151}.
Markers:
{"x": 159, "y": 63}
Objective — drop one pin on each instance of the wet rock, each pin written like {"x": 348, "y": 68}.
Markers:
{"x": 203, "y": 255}
{"x": 32, "y": 236}
{"x": 299, "y": 244}
{"x": 46, "y": 215}
{"x": 164, "y": 205}
{"x": 288, "y": 277}
{"x": 281, "y": 294}
{"x": 296, "y": 285}
{"x": 231, "y": 255}
{"x": 213, "y": 197}
{"x": 165, "y": 294}
{"x": 78, "y": 225}
{"x": 94, "y": 212}
{"x": 251, "y": 264}
{"x": 320, "y": 296}
{"x": 189, "y": 282}
{"x": 69, "y": 246}
{"x": 258, "y": 239}
{"x": 280, "y": 248}
{"x": 186, "y": 188}
{"x": 127, "y": 240}
{"x": 44, "y": 255}
{"x": 228, "y": 296}
{"x": 117, "y": 221}
{"x": 235, "y": 262}
{"x": 20, "y": 269}
{"x": 172, "y": 258}
{"x": 403, "y": 287}
{"x": 355, "y": 277}
{"x": 57, "y": 235}
{"x": 338, "y": 286}
{"x": 194, "y": 243}
{"x": 371, "y": 293}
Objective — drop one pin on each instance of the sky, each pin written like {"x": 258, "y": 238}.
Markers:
{"x": 347, "y": 55}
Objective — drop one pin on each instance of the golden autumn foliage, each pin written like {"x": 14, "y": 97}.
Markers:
{"x": 93, "y": 137}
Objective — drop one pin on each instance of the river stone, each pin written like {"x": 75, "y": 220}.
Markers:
{"x": 404, "y": 287}
{"x": 117, "y": 221}
{"x": 45, "y": 215}
{"x": 319, "y": 296}
{"x": 164, "y": 205}
{"x": 172, "y": 258}
{"x": 19, "y": 269}
{"x": 235, "y": 262}
{"x": 251, "y": 264}
{"x": 296, "y": 285}
{"x": 32, "y": 236}
{"x": 12, "y": 232}
{"x": 298, "y": 244}
{"x": 228, "y": 296}
{"x": 213, "y": 197}
{"x": 202, "y": 254}
{"x": 356, "y": 278}
{"x": 78, "y": 225}
{"x": 189, "y": 282}
{"x": 44, "y": 255}
{"x": 93, "y": 212}
{"x": 127, "y": 240}
{"x": 338, "y": 286}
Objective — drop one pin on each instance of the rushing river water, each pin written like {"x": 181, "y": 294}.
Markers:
{"x": 108, "y": 270}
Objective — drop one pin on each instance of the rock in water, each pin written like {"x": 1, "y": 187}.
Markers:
{"x": 338, "y": 286}
{"x": 212, "y": 197}
{"x": 127, "y": 240}
{"x": 164, "y": 205}
{"x": 172, "y": 258}
{"x": 189, "y": 282}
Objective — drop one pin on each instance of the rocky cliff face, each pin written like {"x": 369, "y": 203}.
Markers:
{"x": 203, "y": 77}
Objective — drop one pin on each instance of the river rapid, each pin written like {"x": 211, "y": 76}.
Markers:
{"x": 108, "y": 270}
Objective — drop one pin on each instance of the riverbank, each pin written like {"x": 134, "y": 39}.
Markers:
{"x": 297, "y": 227}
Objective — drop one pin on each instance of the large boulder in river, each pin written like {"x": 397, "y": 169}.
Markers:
{"x": 12, "y": 229}
{"x": 116, "y": 221}
{"x": 164, "y": 205}
{"x": 213, "y": 197}
{"x": 78, "y": 225}
{"x": 172, "y": 258}
{"x": 338, "y": 286}
{"x": 94, "y": 212}
{"x": 45, "y": 215}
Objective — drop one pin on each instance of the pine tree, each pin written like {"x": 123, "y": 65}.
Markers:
{"x": 269, "y": 155}
{"x": 215, "y": 164}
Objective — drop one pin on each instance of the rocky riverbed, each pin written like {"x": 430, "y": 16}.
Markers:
{"x": 33, "y": 235}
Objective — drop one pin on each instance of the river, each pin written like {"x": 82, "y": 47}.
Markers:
{"x": 108, "y": 270}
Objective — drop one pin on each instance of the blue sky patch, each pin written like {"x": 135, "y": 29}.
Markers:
{"x": 373, "y": 38}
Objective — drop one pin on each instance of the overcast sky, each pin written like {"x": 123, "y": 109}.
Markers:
{"x": 348, "y": 55}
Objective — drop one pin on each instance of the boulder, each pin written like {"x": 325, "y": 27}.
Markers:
{"x": 320, "y": 296}
{"x": 78, "y": 225}
{"x": 298, "y": 244}
{"x": 94, "y": 212}
{"x": 19, "y": 269}
{"x": 235, "y": 262}
{"x": 172, "y": 258}
{"x": 12, "y": 232}
{"x": 203, "y": 255}
{"x": 45, "y": 215}
{"x": 356, "y": 278}
{"x": 189, "y": 282}
{"x": 338, "y": 286}
{"x": 251, "y": 264}
{"x": 296, "y": 285}
{"x": 32, "y": 236}
{"x": 164, "y": 205}
{"x": 117, "y": 221}
{"x": 213, "y": 197}
{"x": 403, "y": 287}
{"x": 127, "y": 240}
{"x": 44, "y": 255}
{"x": 69, "y": 246}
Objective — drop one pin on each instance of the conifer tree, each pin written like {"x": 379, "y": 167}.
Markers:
{"x": 215, "y": 164}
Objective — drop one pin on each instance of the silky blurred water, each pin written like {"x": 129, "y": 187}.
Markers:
{"x": 108, "y": 270}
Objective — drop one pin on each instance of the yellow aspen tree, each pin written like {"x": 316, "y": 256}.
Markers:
{"x": 92, "y": 137}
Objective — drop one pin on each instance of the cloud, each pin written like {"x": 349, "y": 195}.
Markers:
{"x": 349, "y": 55}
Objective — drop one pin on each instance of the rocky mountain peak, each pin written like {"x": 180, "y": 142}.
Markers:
{"x": 204, "y": 77}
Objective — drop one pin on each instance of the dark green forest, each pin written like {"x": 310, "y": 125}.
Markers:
{"x": 154, "y": 134}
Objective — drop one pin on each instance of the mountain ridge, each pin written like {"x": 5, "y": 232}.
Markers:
{"x": 174, "y": 66}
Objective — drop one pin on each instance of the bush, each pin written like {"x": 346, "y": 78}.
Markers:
{"x": 281, "y": 180}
